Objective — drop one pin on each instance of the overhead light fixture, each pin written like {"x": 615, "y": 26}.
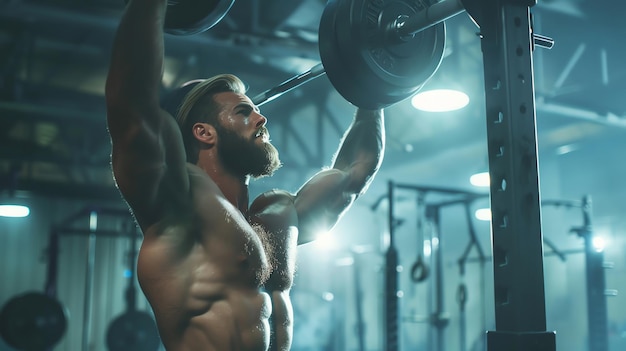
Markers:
{"x": 14, "y": 211}
{"x": 480, "y": 179}
{"x": 440, "y": 100}
{"x": 9, "y": 207}
{"x": 598, "y": 243}
{"x": 566, "y": 149}
{"x": 483, "y": 214}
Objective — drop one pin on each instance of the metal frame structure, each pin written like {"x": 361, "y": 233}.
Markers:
{"x": 506, "y": 32}
{"x": 597, "y": 314}
{"x": 68, "y": 227}
{"x": 507, "y": 45}
{"x": 596, "y": 292}
{"x": 437, "y": 316}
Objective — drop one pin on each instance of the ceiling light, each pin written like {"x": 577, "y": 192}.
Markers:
{"x": 599, "y": 243}
{"x": 480, "y": 179}
{"x": 14, "y": 211}
{"x": 440, "y": 100}
{"x": 483, "y": 214}
{"x": 566, "y": 149}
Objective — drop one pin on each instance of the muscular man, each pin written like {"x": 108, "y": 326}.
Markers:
{"x": 214, "y": 266}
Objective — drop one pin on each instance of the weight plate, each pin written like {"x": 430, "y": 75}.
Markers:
{"x": 187, "y": 17}
{"x": 133, "y": 330}
{"x": 32, "y": 321}
{"x": 368, "y": 64}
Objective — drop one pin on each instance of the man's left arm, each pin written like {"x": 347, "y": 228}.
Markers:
{"x": 319, "y": 203}
{"x": 327, "y": 195}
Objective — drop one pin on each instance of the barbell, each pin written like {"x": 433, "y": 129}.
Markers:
{"x": 374, "y": 52}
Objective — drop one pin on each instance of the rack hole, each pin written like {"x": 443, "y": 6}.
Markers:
{"x": 504, "y": 221}
{"x": 497, "y": 84}
{"x": 500, "y": 118}
{"x": 501, "y": 296}
{"x": 500, "y": 257}
{"x": 500, "y": 151}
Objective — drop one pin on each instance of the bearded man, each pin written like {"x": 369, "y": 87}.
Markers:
{"x": 215, "y": 267}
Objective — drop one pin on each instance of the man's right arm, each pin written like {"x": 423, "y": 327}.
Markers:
{"x": 148, "y": 156}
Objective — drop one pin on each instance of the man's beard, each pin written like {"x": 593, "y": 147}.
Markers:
{"x": 244, "y": 156}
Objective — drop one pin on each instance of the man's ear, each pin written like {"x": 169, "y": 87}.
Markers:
{"x": 205, "y": 133}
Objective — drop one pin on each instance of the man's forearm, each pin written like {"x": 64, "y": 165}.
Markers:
{"x": 362, "y": 148}
{"x": 137, "y": 59}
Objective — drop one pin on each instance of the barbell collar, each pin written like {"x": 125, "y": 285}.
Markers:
{"x": 289, "y": 85}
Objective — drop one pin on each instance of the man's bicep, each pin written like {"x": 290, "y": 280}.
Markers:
{"x": 148, "y": 163}
{"x": 321, "y": 202}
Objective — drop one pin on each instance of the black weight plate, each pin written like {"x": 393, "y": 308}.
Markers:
{"x": 133, "y": 330}
{"x": 367, "y": 65}
{"x": 187, "y": 17}
{"x": 32, "y": 321}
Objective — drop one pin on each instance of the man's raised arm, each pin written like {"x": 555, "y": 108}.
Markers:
{"x": 148, "y": 157}
{"x": 136, "y": 66}
{"x": 361, "y": 150}
{"x": 328, "y": 194}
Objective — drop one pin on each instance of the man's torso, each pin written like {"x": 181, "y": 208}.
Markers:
{"x": 202, "y": 268}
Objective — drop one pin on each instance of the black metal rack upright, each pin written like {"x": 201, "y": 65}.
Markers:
{"x": 507, "y": 45}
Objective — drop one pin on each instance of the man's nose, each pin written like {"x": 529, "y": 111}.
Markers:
{"x": 261, "y": 121}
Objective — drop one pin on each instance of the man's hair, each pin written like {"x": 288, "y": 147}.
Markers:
{"x": 198, "y": 105}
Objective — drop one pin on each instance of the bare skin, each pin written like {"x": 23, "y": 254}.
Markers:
{"x": 214, "y": 266}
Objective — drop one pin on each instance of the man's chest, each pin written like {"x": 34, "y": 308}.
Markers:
{"x": 274, "y": 217}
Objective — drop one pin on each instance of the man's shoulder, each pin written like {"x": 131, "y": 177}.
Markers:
{"x": 273, "y": 196}
{"x": 276, "y": 193}
{"x": 274, "y": 210}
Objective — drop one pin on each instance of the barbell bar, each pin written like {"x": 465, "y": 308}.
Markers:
{"x": 290, "y": 84}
